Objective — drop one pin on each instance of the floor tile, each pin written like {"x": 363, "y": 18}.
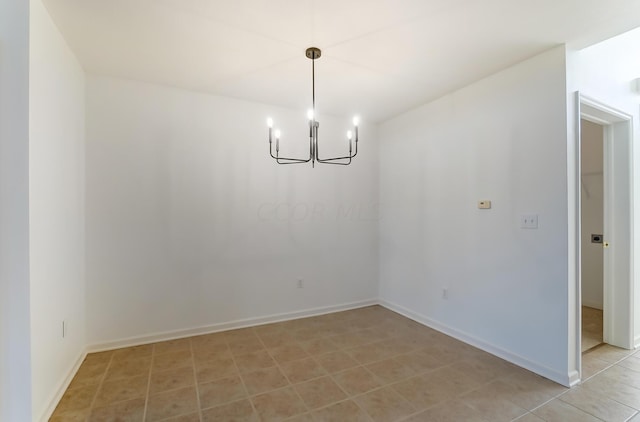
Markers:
{"x": 302, "y": 370}
{"x": 172, "y": 346}
{"x": 124, "y": 369}
{"x": 264, "y": 380}
{"x": 341, "y": 412}
{"x": 125, "y": 411}
{"x": 418, "y": 362}
{"x": 614, "y": 389}
{"x": 213, "y": 369}
{"x": 559, "y": 411}
{"x": 336, "y": 361}
{"x": 425, "y": 391}
{"x": 591, "y": 365}
{"x": 172, "y": 360}
{"x": 238, "y": 411}
{"x": 172, "y": 403}
{"x": 191, "y": 417}
{"x": 318, "y": 346}
{"x": 631, "y": 362}
{"x": 127, "y": 389}
{"x": 609, "y": 353}
{"x": 98, "y": 357}
{"x": 356, "y": 380}
{"x": 384, "y": 405}
{"x": 89, "y": 374}
{"x": 246, "y": 346}
{"x": 287, "y": 353}
{"x": 319, "y": 392}
{"x": 529, "y": 417}
{"x": 71, "y": 415}
{"x": 135, "y": 352}
{"x": 595, "y": 404}
{"x": 450, "y": 411}
{"x": 278, "y": 405}
{"x": 390, "y": 370}
{"x": 369, "y": 353}
{"x": 277, "y": 339}
{"x": 171, "y": 379}
{"x": 207, "y": 352}
{"x": 492, "y": 407}
{"x": 221, "y": 391}
{"x": 77, "y": 399}
{"x": 253, "y": 361}
{"x": 458, "y": 381}
{"x": 526, "y": 389}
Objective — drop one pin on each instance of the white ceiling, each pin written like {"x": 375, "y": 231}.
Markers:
{"x": 379, "y": 57}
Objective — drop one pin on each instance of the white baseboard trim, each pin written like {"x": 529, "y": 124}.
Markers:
{"x": 574, "y": 378}
{"x": 636, "y": 342}
{"x": 62, "y": 387}
{"x": 561, "y": 378}
{"x": 594, "y": 305}
{"x": 225, "y": 326}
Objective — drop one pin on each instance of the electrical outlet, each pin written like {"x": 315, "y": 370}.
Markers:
{"x": 300, "y": 283}
{"x": 529, "y": 221}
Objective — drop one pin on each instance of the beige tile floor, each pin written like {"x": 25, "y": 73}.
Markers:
{"x": 591, "y": 328}
{"x": 369, "y": 364}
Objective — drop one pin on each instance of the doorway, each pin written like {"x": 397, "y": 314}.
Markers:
{"x": 617, "y": 223}
{"x": 592, "y": 233}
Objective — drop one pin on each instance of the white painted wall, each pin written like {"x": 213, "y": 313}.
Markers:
{"x": 56, "y": 215}
{"x": 606, "y": 72}
{"x": 190, "y": 223}
{"x": 15, "y": 350}
{"x": 503, "y": 138}
{"x": 592, "y": 213}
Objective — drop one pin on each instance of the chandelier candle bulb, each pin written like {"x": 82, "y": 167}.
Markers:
{"x": 349, "y": 135}
{"x": 269, "y": 122}
{"x": 310, "y": 115}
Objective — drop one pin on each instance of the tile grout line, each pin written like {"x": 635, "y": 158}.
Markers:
{"x": 195, "y": 378}
{"x": 244, "y": 385}
{"x": 102, "y": 380}
{"x": 146, "y": 397}
{"x": 284, "y": 375}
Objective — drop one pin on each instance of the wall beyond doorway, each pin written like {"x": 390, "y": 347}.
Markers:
{"x": 592, "y": 212}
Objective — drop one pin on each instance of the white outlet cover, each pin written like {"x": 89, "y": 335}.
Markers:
{"x": 529, "y": 221}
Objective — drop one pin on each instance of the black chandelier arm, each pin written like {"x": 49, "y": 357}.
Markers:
{"x": 336, "y": 163}
{"x": 292, "y": 160}
{"x": 329, "y": 160}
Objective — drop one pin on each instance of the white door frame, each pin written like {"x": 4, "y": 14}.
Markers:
{"x": 618, "y": 222}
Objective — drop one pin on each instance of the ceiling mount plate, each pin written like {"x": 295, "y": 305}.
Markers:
{"x": 313, "y": 53}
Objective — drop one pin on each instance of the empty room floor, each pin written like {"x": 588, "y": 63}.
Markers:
{"x": 591, "y": 328}
{"x": 368, "y": 364}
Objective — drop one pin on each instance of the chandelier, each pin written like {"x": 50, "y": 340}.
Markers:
{"x": 314, "y": 155}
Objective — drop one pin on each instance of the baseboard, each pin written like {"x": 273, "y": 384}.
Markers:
{"x": 636, "y": 342}
{"x": 62, "y": 387}
{"x": 594, "y": 305}
{"x": 561, "y": 378}
{"x": 225, "y": 326}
